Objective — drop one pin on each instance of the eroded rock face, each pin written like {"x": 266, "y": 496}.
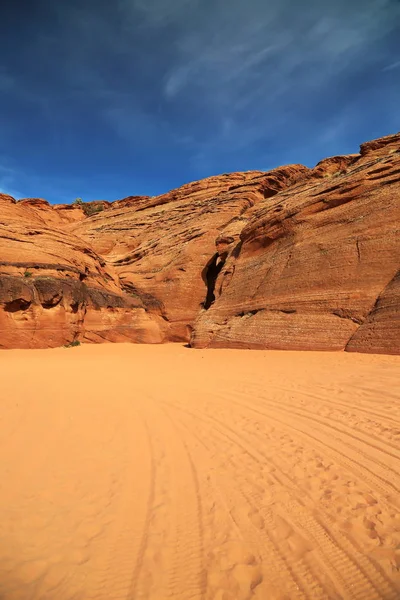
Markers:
{"x": 49, "y": 311}
{"x": 162, "y": 246}
{"x": 383, "y": 142}
{"x": 55, "y": 289}
{"x": 129, "y": 201}
{"x": 48, "y": 214}
{"x": 380, "y": 331}
{"x": 316, "y": 267}
{"x": 295, "y": 258}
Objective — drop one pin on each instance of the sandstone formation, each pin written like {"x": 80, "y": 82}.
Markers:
{"x": 55, "y": 289}
{"x": 316, "y": 267}
{"x": 162, "y": 246}
{"x": 294, "y": 258}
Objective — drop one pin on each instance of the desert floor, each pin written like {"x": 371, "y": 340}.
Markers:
{"x": 161, "y": 472}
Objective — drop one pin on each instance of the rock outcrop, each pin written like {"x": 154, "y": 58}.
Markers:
{"x": 162, "y": 246}
{"x": 316, "y": 267}
{"x": 294, "y": 258}
{"x": 54, "y": 289}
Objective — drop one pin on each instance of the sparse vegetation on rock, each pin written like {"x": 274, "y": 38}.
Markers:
{"x": 89, "y": 208}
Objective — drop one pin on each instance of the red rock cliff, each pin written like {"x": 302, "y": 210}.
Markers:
{"x": 295, "y": 258}
{"x": 317, "y": 265}
{"x": 55, "y": 289}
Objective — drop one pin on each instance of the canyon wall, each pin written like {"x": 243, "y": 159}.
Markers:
{"x": 316, "y": 267}
{"x": 293, "y": 258}
{"x": 54, "y": 289}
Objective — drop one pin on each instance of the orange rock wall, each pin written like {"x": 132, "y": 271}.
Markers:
{"x": 316, "y": 267}
{"x": 294, "y": 258}
{"x": 54, "y": 289}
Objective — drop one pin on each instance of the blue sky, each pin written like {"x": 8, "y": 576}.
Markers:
{"x": 102, "y": 99}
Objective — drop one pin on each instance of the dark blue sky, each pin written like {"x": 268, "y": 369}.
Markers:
{"x": 104, "y": 99}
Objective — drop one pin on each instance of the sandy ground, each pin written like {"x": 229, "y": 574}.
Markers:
{"x": 159, "y": 472}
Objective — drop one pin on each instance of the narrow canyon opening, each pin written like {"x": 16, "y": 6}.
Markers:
{"x": 211, "y": 273}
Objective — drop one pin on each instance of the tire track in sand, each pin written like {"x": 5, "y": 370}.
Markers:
{"x": 384, "y": 502}
{"x": 131, "y": 527}
{"x": 172, "y": 560}
{"x": 323, "y": 439}
{"x": 332, "y": 551}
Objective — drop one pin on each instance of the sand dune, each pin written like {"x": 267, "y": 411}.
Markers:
{"x": 135, "y": 472}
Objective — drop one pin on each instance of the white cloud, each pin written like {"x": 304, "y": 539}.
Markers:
{"x": 246, "y": 68}
{"x": 253, "y": 59}
{"x": 391, "y": 66}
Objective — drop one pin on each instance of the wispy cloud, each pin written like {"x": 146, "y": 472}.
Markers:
{"x": 228, "y": 62}
{"x": 393, "y": 65}
{"x": 211, "y": 82}
{"x": 254, "y": 67}
{"x": 266, "y": 48}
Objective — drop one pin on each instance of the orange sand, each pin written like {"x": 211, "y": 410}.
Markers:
{"x": 159, "y": 472}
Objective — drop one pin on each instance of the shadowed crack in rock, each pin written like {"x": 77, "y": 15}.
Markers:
{"x": 212, "y": 271}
